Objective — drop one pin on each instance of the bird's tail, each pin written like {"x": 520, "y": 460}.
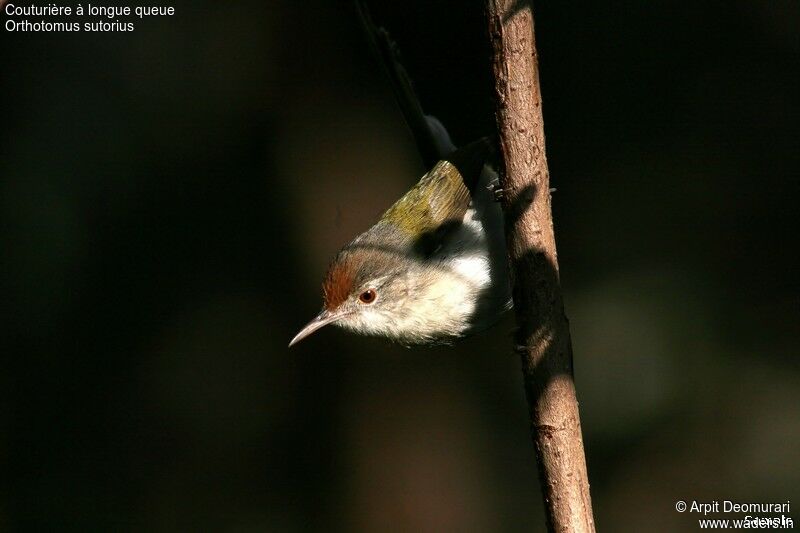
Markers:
{"x": 433, "y": 141}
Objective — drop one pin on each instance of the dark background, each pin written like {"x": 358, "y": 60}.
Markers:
{"x": 171, "y": 198}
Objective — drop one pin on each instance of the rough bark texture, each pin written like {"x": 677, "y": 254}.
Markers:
{"x": 543, "y": 339}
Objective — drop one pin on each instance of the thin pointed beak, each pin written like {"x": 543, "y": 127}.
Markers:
{"x": 322, "y": 319}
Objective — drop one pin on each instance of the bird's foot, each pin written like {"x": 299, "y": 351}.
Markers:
{"x": 496, "y": 190}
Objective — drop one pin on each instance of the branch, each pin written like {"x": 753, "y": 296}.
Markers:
{"x": 542, "y": 337}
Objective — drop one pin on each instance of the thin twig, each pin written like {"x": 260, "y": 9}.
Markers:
{"x": 543, "y": 339}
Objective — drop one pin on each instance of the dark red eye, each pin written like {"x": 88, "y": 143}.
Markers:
{"x": 367, "y": 297}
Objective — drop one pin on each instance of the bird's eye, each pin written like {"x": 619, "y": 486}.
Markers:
{"x": 367, "y": 297}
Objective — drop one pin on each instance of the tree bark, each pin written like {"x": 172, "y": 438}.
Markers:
{"x": 542, "y": 337}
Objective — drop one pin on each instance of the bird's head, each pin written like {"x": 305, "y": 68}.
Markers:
{"x": 365, "y": 290}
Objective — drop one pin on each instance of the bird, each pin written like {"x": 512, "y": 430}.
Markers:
{"x": 434, "y": 268}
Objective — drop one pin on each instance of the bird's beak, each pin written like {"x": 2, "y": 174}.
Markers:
{"x": 322, "y": 319}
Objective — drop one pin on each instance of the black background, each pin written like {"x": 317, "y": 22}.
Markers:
{"x": 171, "y": 198}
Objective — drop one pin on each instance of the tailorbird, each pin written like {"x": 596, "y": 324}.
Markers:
{"x": 434, "y": 268}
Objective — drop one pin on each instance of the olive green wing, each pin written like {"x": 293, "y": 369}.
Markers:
{"x": 443, "y": 194}
{"x": 420, "y": 220}
{"x": 440, "y": 197}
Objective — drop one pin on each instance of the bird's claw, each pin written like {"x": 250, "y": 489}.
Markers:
{"x": 497, "y": 191}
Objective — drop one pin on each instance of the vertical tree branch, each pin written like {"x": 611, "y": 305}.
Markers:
{"x": 542, "y": 338}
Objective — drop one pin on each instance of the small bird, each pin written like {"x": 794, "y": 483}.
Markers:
{"x": 433, "y": 269}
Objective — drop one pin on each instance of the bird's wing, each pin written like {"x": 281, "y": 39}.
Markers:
{"x": 438, "y": 202}
{"x": 420, "y": 219}
{"x": 439, "y": 197}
